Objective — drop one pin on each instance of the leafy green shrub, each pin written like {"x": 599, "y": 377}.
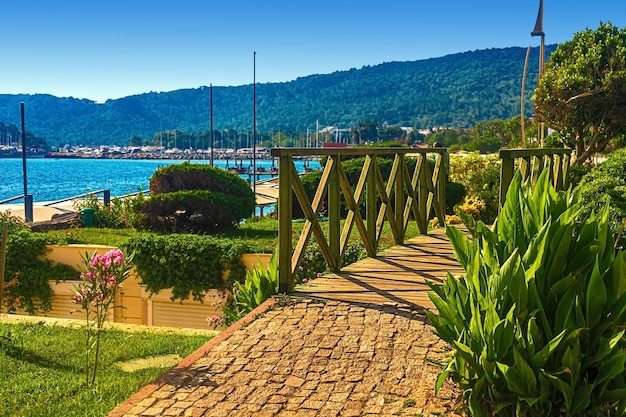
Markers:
{"x": 259, "y": 285}
{"x": 188, "y": 264}
{"x": 606, "y": 183}
{"x": 195, "y": 211}
{"x": 25, "y": 260}
{"x": 195, "y": 198}
{"x": 455, "y": 193}
{"x": 313, "y": 262}
{"x": 121, "y": 213}
{"x": 576, "y": 173}
{"x": 537, "y": 323}
{"x": 480, "y": 175}
{"x": 352, "y": 168}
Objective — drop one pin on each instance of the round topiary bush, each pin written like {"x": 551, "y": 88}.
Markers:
{"x": 195, "y": 198}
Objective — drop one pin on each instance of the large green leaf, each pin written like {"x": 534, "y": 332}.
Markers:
{"x": 533, "y": 258}
{"x": 564, "y": 317}
{"x": 595, "y": 298}
{"x": 504, "y": 333}
{"x": 563, "y": 387}
{"x": 520, "y": 379}
{"x": 617, "y": 279}
{"x": 460, "y": 244}
{"x": 501, "y": 280}
{"x": 541, "y": 357}
{"x": 606, "y": 345}
{"x": 509, "y": 225}
{"x": 611, "y": 367}
{"x": 610, "y": 396}
{"x": 582, "y": 398}
{"x": 559, "y": 248}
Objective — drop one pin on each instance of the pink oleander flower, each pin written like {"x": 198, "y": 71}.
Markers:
{"x": 319, "y": 275}
{"x": 102, "y": 276}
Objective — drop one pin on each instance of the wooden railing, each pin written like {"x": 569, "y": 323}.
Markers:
{"x": 404, "y": 195}
{"x": 531, "y": 162}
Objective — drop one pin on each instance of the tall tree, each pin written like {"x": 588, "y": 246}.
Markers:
{"x": 582, "y": 93}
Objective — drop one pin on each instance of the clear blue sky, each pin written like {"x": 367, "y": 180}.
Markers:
{"x": 107, "y": 49}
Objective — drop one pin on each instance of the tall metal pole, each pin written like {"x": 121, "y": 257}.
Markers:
{"x": 254, "y": 125}
{"x": 212, "y": 132}
{"x": 522, "y": 121}
{"x": 23, "y": 148}
{"x": 538, "y": 31}
{"x": 28, "y": 199}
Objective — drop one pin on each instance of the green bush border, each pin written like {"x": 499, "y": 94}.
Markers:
{"x": 188, "y": 264}
{"x": 26, "y": 261}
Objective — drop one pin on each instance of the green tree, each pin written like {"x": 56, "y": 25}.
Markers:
{"x": 135, "y": 141}
{"x": 365, "y": 132}
{"x": 582, "y": 93}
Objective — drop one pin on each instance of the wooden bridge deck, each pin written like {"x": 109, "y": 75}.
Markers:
{"x": 397, "y": 275}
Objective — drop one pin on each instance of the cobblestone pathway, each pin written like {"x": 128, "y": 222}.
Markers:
{"x": 308, "y": 358}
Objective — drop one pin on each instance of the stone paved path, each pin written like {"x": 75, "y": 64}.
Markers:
{"x": 308, "y": 358}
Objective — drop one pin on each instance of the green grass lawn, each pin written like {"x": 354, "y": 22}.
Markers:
{"x": 42, "y": 368}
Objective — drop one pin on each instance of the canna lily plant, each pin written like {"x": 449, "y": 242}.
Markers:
{"x": 260, "y": 284}
{"x": 537, "y": 323}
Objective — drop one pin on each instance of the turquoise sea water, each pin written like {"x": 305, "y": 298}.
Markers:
{"x": 56, "y": 179}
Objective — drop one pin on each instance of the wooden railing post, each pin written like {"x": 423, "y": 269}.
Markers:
{"x": 286, "y": 279}
{"x": 334, "y": 213}
{"x": 400, "y": 196}
{"x": 440, "y": 177}
{"x": 371, "y": 206}
{"x": 422, "y": 200}
{"x": 507, "y": 168}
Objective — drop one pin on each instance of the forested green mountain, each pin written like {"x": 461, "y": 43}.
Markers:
{"x": 456, "y": 90}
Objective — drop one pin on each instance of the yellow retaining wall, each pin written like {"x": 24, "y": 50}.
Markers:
{"x": 133, "y": 304}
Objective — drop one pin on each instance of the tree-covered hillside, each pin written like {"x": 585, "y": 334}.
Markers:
{"x": 456, "y": 90}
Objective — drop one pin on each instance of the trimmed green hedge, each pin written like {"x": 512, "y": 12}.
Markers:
{"x": 188, "y": 264}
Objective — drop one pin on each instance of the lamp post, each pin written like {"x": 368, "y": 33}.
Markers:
{"x": 538, "y": 31}
{"x": 254, "y": 125}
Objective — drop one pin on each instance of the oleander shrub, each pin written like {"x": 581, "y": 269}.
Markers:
{"x": 189, "y": 264}
{"x": 537, "y": 323}
{"x": 26, "y": 264}
{"x": 195, "y": 198}
{"x": 606, "y": 184}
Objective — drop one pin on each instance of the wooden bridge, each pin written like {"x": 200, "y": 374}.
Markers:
{"x": 389, "y": 185}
